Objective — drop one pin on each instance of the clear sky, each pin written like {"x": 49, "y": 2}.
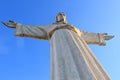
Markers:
{"x": 29, "y": 59}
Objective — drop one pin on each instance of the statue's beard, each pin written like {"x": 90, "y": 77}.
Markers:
{"x": 61, "y": 20}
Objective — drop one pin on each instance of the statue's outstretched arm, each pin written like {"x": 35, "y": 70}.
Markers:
{"x": 96, "y": 38}
{"x": 39, "y": 32}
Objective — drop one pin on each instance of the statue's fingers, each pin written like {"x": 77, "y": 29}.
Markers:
{"x": 4, "y": 23}
{"x": 108, "y": 37}
{"x": 105, "y": 33}
{"x": 12, "y": 21}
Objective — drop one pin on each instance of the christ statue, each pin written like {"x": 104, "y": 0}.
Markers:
{"x": 71, "y": 58}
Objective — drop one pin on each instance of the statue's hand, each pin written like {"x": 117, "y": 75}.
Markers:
{"x": 11, "y": 24}
{"x": 106, "y": 37}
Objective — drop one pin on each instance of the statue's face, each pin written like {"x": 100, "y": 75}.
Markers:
{"x": 61, "y": 18}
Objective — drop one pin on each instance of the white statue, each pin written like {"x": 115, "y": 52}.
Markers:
{"x": 71, "y": 58}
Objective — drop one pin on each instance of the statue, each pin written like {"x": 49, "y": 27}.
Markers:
{"x": 71, "y": 58}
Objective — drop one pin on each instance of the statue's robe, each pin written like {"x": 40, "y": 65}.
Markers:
{"x": 71, "y": 58}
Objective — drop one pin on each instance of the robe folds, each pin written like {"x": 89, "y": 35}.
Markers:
{"x": 71, "y": 58}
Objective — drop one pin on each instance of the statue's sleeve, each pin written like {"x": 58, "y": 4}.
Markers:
{"x": 93, "y": 38}
{"x": 39, "y": 32}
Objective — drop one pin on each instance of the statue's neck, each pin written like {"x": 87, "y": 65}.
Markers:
{"x": 60, "y": 23}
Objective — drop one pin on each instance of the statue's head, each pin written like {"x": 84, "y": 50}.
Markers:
{"x": 61, "y": 18}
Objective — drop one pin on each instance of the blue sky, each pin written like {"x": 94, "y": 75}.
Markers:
{"x": 29, "y": 59}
